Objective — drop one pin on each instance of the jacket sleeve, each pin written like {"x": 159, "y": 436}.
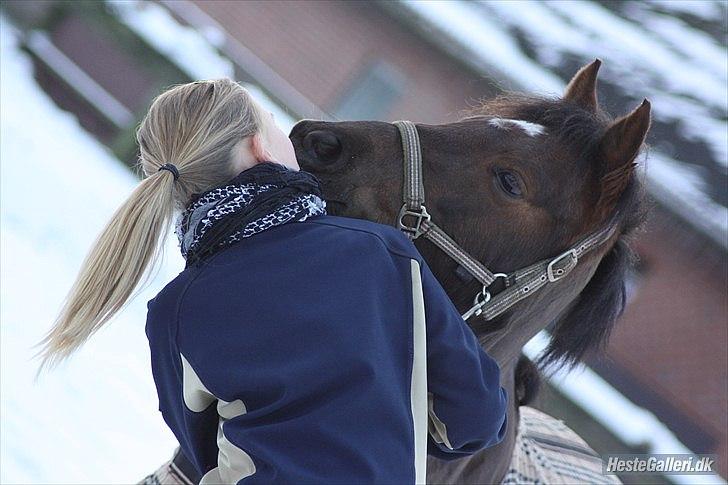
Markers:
{"x": 466, "y": 403}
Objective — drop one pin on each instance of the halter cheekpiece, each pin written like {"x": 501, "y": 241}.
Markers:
{"x": 415, "y": 221}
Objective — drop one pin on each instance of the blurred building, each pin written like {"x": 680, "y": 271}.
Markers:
{"x": 391, "y": 60}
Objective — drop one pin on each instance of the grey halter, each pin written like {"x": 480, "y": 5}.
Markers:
{"x": 520, "y": 283}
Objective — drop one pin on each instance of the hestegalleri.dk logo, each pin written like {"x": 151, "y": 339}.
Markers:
{"x": 667, "y": 464}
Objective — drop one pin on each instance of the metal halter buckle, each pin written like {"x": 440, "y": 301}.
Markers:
{"x": 561, "y": 272}
{"x": 414, "y": 231}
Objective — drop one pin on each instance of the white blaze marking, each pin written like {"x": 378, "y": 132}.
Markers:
{"x": 531, "y": 129}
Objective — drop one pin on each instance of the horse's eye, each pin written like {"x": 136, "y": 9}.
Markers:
{"x": 510, "y": 183}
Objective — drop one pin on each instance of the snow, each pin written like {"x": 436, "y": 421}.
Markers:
{"x": 705, "y": 9}
{"x": 151, "y": 21}
{"x": 682, "y": 71}
{"x": 78, "y": 424}
{"x": 95, "y": 419}
{"x": 697, "y": 45}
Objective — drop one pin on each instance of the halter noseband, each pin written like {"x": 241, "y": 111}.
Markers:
{"x": 415, "y": 221}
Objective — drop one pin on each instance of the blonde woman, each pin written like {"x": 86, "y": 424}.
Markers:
{"x": 295, "y": 347}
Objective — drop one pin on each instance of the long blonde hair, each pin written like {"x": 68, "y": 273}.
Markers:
{"x": 193, "y": 126}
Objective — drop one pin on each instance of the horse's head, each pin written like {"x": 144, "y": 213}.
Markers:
{"x": 520, "y": 179}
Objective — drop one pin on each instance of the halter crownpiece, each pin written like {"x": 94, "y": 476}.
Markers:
{"x": 172, "y": 168}
{"x": 415, "y": 221}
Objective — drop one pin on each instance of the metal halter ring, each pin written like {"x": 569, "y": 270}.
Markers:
{"x": 485, "y": 294}
{"x": 500, "y": 275}
{"x": 481, "y": 298}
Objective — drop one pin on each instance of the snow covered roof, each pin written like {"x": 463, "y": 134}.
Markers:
{"x": 673, "y": 53}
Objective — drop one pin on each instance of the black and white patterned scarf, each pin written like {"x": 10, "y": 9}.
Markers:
{"x": 266, "y": 195}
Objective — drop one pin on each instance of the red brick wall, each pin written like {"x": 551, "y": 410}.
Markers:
{"x": 321, "y": 47}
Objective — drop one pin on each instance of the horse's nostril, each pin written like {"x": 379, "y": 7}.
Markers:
{"x": 323, "y": 145}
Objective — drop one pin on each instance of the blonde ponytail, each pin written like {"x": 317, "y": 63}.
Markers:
{"x": 193, "y": 126}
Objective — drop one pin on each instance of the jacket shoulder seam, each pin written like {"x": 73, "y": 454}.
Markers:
{"x": 371, "y": 233}
{"x": 178, "y": 313}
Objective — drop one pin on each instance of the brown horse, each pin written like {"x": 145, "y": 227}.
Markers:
{"x": 521, "y": 179}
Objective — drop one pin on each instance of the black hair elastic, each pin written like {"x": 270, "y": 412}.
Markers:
{"x": 171, "y": 168}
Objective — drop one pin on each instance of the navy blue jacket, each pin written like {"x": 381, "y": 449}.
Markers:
{"x": 322, "y": 351}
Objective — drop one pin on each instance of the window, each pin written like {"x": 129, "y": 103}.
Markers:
{"x": 372, "y": 94}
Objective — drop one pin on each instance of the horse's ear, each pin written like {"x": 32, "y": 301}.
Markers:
{"x": 618, "y": 149}
{"x": 582, "y": 88}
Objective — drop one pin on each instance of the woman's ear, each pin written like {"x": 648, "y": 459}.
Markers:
{"x": 258, "y": 149}
{"x": 247, "y": 153}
